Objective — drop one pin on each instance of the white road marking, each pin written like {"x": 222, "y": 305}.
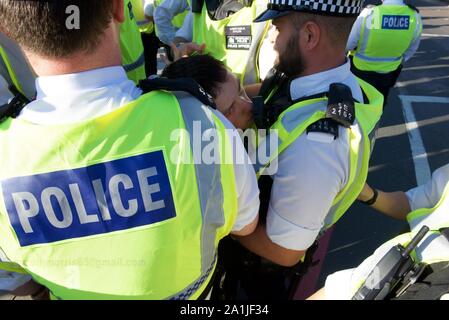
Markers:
{"x": 422, "y": 169}
{"x": 435, "y": 35}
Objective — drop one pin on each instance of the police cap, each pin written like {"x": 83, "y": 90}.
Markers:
{"x": 342, "y": 8}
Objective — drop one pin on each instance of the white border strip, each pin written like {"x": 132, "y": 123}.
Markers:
{"x": 435, "y": 35}
{"x": 422, "y": 168}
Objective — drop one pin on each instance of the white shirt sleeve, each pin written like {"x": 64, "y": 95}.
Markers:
{"x": 354, "y": 36}
{"x": 186, "y": 31}
{"x": 148, "y": 7}
{"x": 163, "y": 16}
{"x": 310, "y": 175}
{"x": 428, "y": 195}
{"x": 245, "y": 179}
{"x": 416, "y": 40}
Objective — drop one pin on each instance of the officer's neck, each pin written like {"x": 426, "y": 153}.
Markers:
{"x": 107, "y": 54}
{"x": 321, "y": 63}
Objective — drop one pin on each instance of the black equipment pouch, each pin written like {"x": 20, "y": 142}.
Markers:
{"x": 15, "y": 106}
{"x": 265, "y": 115}
{"x": 395, "y": 272}
{"x": 273, "y": 79}
{"x": 188, "y": 85}
{"x": 259, "y": 112}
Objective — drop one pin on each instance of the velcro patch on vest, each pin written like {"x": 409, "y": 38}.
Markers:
{"x": 238, "y": 37}
{"x": 328, "y": 126}
{"x": 102, "y": 198}
{"x": 391, "y": 22}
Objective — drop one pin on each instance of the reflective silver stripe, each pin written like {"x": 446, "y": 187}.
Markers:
{"x": 366, "y": 33}
{"x": 372, "y": 59}
{"x": 187, "y": 293}
{"x": 3, "y": 257}
{"x": 373, "y": 135}
{"x": 136, "y": 64}
{"x": 210, "y": 189}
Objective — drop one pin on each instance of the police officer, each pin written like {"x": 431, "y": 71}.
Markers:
{"x": 425, "y": 205}
{"x": 169, "y": 17}
{"x": 15, "y": 68}
{"x": 116, "y": 203}
{"x": 144, "y": 11}
{"x": 382, "y": 39}
{"x": 322, "y": 117}
{"x": 227, "y": 30}
{"x": 133, "y": 54}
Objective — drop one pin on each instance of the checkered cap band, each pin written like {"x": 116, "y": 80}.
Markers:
{"x": 331, "y": 7}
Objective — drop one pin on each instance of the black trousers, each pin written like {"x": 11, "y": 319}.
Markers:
{"x": 246, "y": 276}
{"x": 383, "y": 82}
{"x": 151, "y": 46}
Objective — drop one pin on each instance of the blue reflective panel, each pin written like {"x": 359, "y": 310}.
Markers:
{"x": 395, "y": 22}
{"x": 106, "y": 197}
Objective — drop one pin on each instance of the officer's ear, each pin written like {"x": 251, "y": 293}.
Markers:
{"x": 310, "y": 35}
{"x": 118, "y": 11}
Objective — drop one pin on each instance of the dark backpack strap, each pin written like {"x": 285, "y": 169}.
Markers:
{"x": 197, "y": 6}
{"x": 188, "y": 85}
{"x": 15, "y": 106}
{"x": 413, "y": 7}
{"x": 432, "y": 285}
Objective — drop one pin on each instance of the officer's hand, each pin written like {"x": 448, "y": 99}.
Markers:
{"x": 183, "y": 50}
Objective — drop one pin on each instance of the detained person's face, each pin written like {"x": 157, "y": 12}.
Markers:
{"x": 290, "y": 58}
{"x": 233, "y": 102}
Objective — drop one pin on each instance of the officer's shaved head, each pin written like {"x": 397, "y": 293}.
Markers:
{"x": 49, "y": 27}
